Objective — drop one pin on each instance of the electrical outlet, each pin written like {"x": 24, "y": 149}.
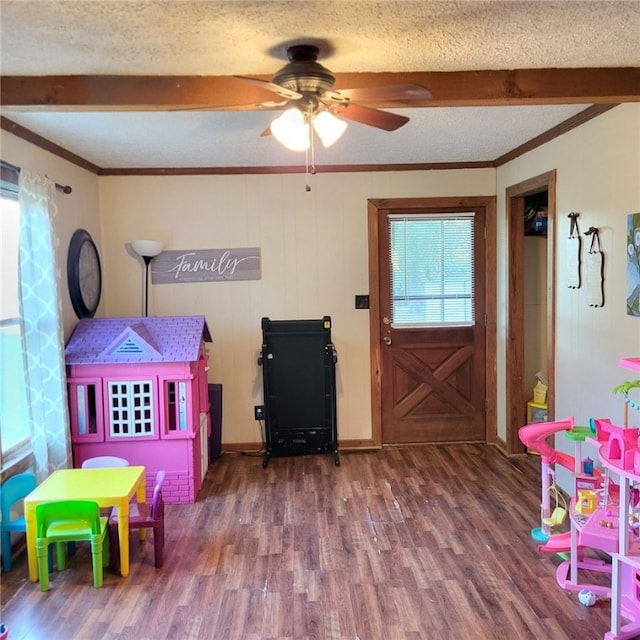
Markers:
{"x": 258, "y": 412}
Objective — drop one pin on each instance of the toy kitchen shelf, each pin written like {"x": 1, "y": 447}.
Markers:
{"x": 625, "y": 576}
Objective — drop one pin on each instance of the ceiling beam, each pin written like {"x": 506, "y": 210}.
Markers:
{"x": 449, "y": 89}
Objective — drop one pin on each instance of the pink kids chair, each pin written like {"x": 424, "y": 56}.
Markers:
{"x": 142, "y": 516}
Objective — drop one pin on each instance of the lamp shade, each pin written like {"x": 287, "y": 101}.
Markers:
{"x": 328, "y": 127}
{"x": 291, "y": 130}
{"x": 147, "y": 248}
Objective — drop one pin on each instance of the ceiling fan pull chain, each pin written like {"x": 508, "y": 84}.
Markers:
{"x": 313, "y": 150}
{"x": 307, "y": 186}
{"x": 312, "y": 170}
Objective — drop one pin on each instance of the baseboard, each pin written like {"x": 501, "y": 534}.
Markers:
{"x": 348, "y": 445}
{"x": 343, "y": 445}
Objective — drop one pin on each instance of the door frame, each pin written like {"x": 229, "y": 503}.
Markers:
{"x": 515, "y": 404}
{"x": 373, "y": 206}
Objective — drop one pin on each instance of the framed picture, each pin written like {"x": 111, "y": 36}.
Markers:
{"x": 633, "y": 264}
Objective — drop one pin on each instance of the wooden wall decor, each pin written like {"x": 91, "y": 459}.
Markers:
{"x": 574, "y": 253}
{"x": 595, "y": 270}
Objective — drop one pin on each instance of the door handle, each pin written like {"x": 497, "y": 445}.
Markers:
{"x": 386, "y": 320}
{"x": 386, "y": 340}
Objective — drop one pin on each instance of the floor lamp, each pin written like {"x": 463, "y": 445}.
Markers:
{"x": 147, "y": 250}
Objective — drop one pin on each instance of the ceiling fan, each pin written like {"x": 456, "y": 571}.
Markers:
{"x": 306, "y": 89}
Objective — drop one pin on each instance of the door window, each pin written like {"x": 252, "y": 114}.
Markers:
{"x": 432, "y": 277}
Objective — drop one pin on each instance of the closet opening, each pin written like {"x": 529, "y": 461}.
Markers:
{"x": 530, "y": 349}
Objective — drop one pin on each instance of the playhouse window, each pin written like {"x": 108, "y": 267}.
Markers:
{"x": 87, "y": 409}
{"x": 176, "y": 398}
{"x": 131, "y": 409}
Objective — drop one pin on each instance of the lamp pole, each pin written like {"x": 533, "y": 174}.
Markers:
{"x": 147, "y": 262}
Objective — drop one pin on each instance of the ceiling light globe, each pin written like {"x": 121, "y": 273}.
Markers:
{"x": 291, "y": 130}
{"x": 328, "y": 127}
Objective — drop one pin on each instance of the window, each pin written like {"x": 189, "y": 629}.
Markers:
{"x": 87, "y": 408}
{"x": 432, "y": 269}
{"x": 176, "y": 410}
{"x": 14, "y": 415}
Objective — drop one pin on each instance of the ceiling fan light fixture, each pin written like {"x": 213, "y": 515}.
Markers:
{"x": 328, "y": 127}
{"x": 292, "y": 130}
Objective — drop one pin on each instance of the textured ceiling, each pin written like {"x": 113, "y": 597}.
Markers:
{"x": 232, "y": 139}
{"x": 235, "y": 37}
{"x": 212, "y": 38}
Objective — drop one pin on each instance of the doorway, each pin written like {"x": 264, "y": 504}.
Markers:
{"x": 432, "y": 319}
{"x": 530, "y": 335}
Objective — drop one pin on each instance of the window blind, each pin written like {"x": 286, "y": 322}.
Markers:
{"x": 431, "y": 261}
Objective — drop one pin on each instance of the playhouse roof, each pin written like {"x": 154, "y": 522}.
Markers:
{"x": 137, "y": 339}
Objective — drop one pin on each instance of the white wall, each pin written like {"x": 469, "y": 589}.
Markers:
{"x": 314, "y": 261}
{"x": 79, "y": 209}
{"x": 598, "y": 175}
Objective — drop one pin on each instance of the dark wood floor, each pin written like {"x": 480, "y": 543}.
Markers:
{"x": 422, "y": 542}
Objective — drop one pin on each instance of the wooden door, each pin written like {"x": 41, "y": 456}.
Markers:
{"x": 431, "y": 324}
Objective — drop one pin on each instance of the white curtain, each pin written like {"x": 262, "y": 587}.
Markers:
{"x": 43, "y": 341}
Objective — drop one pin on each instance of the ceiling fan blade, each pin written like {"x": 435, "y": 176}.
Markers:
{"x": 271, "y": 86}
{"x": 392, "y": 92}
{"x": 252, "y": 106}
{"x": 372, "y": 117}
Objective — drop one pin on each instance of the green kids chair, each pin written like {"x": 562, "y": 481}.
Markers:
{"x": 70, "y": 521}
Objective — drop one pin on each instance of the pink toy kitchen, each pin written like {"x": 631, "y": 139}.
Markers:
{"x": 604, "y": 510}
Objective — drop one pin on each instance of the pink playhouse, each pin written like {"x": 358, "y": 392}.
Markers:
{"x": 138, "y": 389}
